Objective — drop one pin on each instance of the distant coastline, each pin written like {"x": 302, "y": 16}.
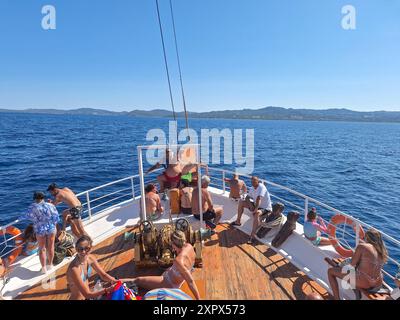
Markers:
{"x": 267, "y": 113}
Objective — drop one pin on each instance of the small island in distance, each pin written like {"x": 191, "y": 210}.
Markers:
{"x": 267, "y": 113}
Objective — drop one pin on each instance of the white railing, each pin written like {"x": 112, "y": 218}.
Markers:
{"x": 94, "y": 202}
{"x": 115, "y": 197}
{"x": 101, "y": 196}
{"x": 329, "y": 212}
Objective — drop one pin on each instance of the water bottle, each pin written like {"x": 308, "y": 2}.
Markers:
{"x": 165, "y": 201}
{"x": 98, "y": 287}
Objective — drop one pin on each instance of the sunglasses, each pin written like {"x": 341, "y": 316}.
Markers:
{"x": 82, "y": 249}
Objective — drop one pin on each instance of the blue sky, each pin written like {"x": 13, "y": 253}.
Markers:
{"x": 235, "y": 54}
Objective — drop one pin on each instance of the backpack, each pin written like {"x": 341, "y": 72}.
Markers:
{"x": 59, "y": 254}
{"x": 64, "y": 247}
{"x": 66, "y": 240}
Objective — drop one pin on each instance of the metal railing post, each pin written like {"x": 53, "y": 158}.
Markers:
{"x": 143, "y": 215}
{"x": 305, "y": 209}
{"x": 357, "y": 233}
{"x": 88, "y": 205}
{"x": 200, "y": 194}
{"x": 223, "y": 181}
{"x": 133, "y": 189}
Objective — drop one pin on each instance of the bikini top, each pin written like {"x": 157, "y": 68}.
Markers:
{"x": 175, "y": 272}
{"x": 89, "y": 272}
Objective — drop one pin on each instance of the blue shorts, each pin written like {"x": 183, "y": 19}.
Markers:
{"x": 46, "y": 231}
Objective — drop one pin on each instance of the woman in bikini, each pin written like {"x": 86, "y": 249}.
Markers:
{"x": 80, "y": 270}
{"x": 367, "y": 260}
{"x": 176, "y": 275}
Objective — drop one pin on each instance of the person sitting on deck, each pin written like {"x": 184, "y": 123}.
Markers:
{"x": 271, "y": 220}
{"x": 180, "y": 271}
{"x": 258, "y": 202}
{"x": 30, "y": 241}
{"x": 211, "y": 215}
{"x": 80, "y": 270}
{"x": 153, "y": 203}
{"x": 237, "y": 187}
{"x": 44, "y": 217}
{"x": 73, "y": 215}
{"x": 313, "y": 229}
{"x": 366, "y": 264}
{"x": 186, "y": 195}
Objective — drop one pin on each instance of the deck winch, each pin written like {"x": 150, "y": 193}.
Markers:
{"x": 153, "y": 247}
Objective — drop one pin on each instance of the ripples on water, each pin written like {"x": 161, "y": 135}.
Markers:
{"x": 352, "y": 166}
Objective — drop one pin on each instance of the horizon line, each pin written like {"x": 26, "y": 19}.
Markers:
{"x": 189, "y": 111}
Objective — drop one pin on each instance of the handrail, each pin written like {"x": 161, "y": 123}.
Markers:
{"x": 83, "y": 193}
{"x": 247, "y": 176}
{"x": 110, "y": 194}
{"x": 357, "y": 222}
{"x": 5, "y": 242}
{"x": 89, "y": 209}
{"x": 314, "y": 201}
{"x": 306, "y": 198}
{"x": 106, "y": 185}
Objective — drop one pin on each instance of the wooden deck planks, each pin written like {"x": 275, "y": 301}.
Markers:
{"x": 232, "y": 270}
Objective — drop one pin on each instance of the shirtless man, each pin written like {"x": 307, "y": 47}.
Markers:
{"x": 237, "y": 187}
{"x": 153, "y": 202}
{"x": 71, "y": 215}
{"x": 210, "y": 213}
{"x": 186, "y": 195}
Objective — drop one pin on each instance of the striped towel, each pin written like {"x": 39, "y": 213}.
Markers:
{"x": 166, "y": 294}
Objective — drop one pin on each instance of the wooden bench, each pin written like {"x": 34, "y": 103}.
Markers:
{"x": 201, "y": 286}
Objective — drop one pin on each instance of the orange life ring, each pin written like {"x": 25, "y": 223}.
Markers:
{"x": 2, "y": 269}
{"x": 18, "y": 241}
{"x": 340, "y": 219}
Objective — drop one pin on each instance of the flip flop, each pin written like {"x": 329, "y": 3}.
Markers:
{"x": 236, "y": 224}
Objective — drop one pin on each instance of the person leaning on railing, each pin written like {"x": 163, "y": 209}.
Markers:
{"x": 367, "y": 262}
{"x": 237, "y": 187}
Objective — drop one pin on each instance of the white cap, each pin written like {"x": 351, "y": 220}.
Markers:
{"x": 205, "y": 179}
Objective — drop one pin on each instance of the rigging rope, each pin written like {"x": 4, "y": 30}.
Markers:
{"x": 165, "y": 60}
{"x": 179, "y": 66}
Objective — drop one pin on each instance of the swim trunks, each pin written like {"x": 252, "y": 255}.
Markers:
{"x": 208, "y": 215}
{"x": 76, "y": 212}
{"x": 186, "y": 210}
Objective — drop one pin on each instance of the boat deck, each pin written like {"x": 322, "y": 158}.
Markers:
{"x": 232, "y": 270}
